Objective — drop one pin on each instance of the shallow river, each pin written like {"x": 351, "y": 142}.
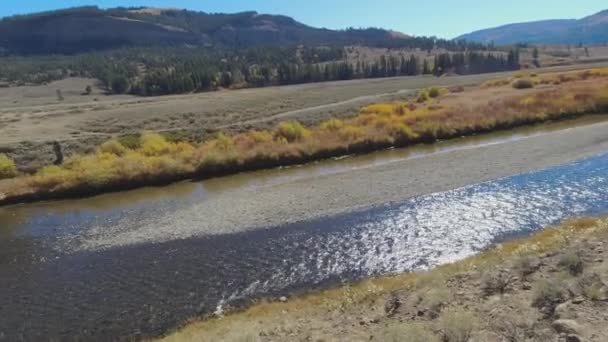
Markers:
{"x": 62, "y": 277}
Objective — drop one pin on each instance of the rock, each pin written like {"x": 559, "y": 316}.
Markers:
{"x": 374, "y": 320}
{"x": 526, "y": 286}
{"x": 283, "y": 299}
{"x": 563, "y": 310}
{"x": 568, "y": 326}
{"x": 392, "y": 305}
{"x": 573, "y": 338}
{"x": 598, "y": 260}
{"x": 578, "y": 300}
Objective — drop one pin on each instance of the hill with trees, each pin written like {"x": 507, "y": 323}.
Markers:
{"x": 86, "y": 29}
{"x": 147, "y": 51}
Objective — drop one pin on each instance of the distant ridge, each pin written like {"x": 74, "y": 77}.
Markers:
{"x": 84, "y": 29}
{"x": 589, "y": 30}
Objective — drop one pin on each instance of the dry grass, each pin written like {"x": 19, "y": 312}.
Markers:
{"x": 457, "y": 325}
{"x": 529, "y": 80}
{"x": 151, "y": 158}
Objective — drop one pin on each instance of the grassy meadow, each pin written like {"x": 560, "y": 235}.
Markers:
{"x": 436, "y": 113}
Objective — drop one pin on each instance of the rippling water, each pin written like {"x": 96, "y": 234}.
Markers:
{"x": 437, "y": 228}
{"x": 145, "y": 289}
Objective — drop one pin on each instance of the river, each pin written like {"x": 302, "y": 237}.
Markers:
{"x": 139, "y": 263}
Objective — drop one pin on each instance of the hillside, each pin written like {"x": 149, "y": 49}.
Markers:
{"x": 85, "y": 29}
{"x": 589, "y": 30}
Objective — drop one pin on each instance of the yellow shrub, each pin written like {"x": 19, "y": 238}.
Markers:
{"x": 50, "y": 177}
{"x": 379, "y": 109}
{"x": 351, "y": 132}
{"x": 113, "y": 147}
{"x": 332, "y": 125}
{"x": 7, "y": 167}
{"x": 261, "y": 136}
{"x": 291, "y": 131}
{"x": 223, "y": 142}
{"x": 154, "y": 144}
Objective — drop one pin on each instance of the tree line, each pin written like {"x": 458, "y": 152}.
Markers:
{"x": 151, "y": 72}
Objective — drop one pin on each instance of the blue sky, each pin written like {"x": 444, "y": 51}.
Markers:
{"x": 442, "y": 18}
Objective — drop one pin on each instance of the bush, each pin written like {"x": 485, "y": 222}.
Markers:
{"x": 457, "y": 325}
{"x": 291, "y": 131}
{"x": 7, "y": 167}
{"x": 547, "y": 294}
{"x": 332, "y": 125}
{"x": 415, "y": 332}
{"x": 131, "y": 141}
{"x": 572, "y": 262}
{"x": 423, "y": 96}
{"x": 154, "y": 144}
{"x": 435, "y": 299}
{"x": 522, "y": 84}
{"x": 261, "y": 136}
{"x": 113, "y": 147}
{"x": 593, "y": 287}
{"x": 224, "y": 142}
{"x": 351, "y": 133}
{"x": 435, "y": 92}
{"x": 601, "y": 104}
{"x": 526, "y": 265}
{"x": 496, "y": 283}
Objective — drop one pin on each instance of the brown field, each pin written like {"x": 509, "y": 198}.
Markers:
{"x": 32, "y": 117}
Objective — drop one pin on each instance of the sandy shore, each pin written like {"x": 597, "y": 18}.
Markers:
{"x": 246, "y": 207}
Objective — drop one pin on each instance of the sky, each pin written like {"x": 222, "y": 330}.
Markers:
{"x": 441, "y": 18}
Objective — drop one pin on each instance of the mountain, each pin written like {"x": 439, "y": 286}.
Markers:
{"x": 589, "y": 30}
{"x": 85, "y": 29}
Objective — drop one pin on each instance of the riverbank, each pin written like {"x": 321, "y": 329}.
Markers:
{"x": 163, "y": 256}
{"x": 550, "y": 286}
{"x": 152, "y": 160}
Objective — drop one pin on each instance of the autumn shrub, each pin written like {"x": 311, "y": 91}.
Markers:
{"x": 154, "y": 144}
{"x": 423, "y": 96}
{"x": 150, "y": 156}
{"x": 113, "y": 147}
{"x": 50, "y": 177}
{"x": 131, "y": 141}
{"x": 291, "y": 131}
{"x": 261, "y": 136}
{"x": 223, "y": 142}
{"x": 7, "y": 167}
{"x": 522, "y": 84}
{"x": 332, "y": 125}
{"x": 436, "y": 92}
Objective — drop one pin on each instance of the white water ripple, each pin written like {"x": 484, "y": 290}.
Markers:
{"x": 438, "y": 228}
